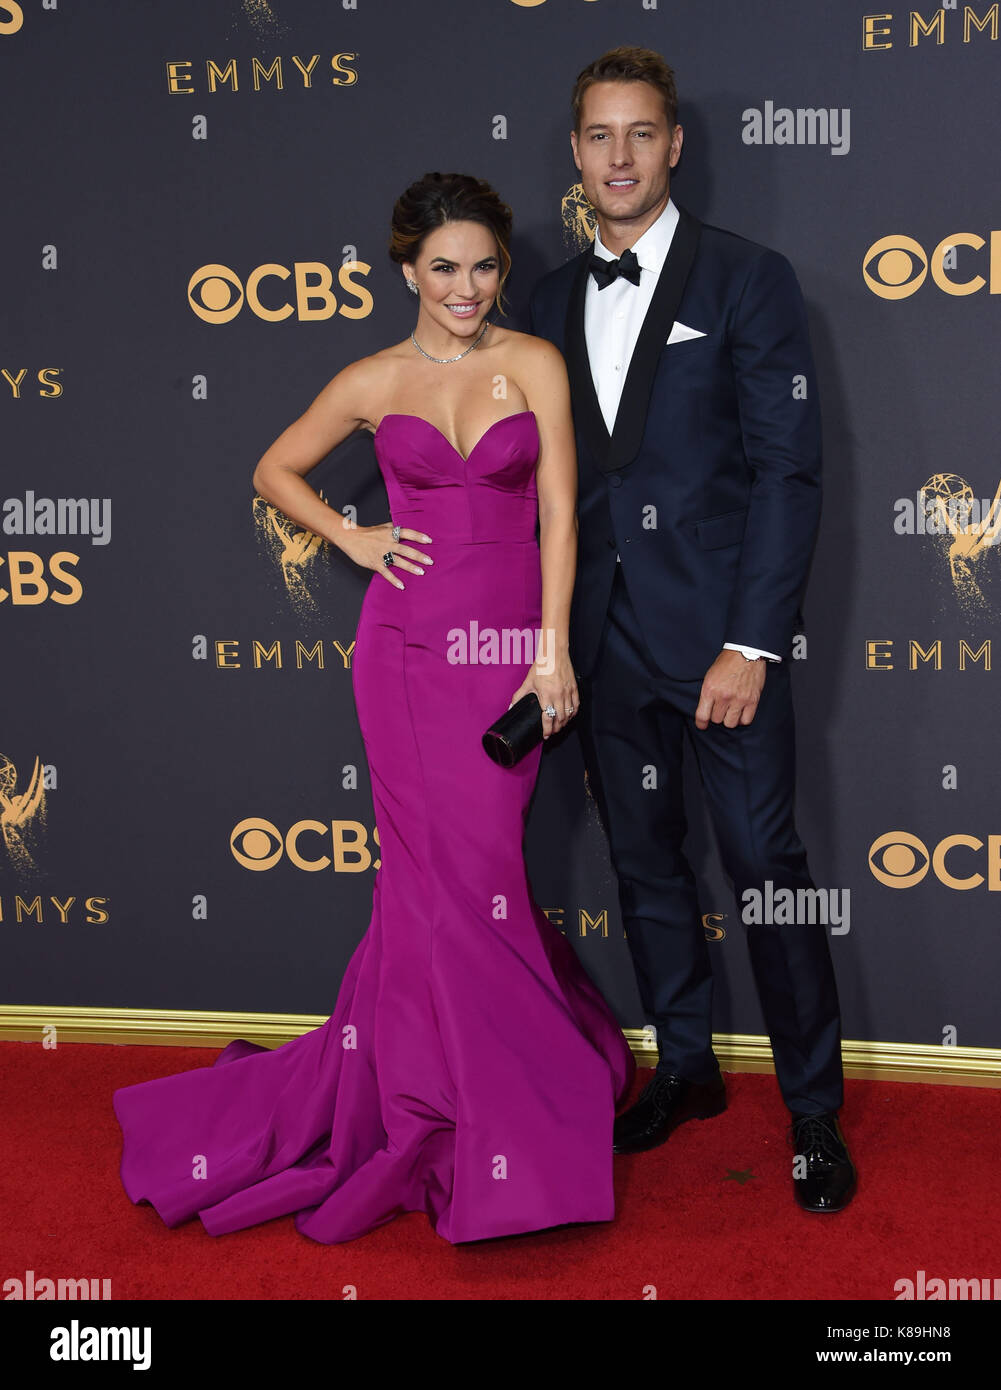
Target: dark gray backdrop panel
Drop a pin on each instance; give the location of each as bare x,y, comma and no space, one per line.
158,756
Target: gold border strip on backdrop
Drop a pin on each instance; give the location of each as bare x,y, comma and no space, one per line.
876,1061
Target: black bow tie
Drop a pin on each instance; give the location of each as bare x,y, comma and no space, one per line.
605,272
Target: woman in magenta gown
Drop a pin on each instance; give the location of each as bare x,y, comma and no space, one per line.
470,1069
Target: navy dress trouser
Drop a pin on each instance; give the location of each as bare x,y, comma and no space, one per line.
633,722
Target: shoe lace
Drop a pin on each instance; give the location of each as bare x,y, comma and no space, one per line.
816,1132
660,1091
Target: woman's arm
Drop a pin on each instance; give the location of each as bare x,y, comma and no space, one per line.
547,391
343,406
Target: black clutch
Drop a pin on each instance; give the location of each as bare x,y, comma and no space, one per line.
516,732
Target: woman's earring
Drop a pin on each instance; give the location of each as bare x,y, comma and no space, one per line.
412,286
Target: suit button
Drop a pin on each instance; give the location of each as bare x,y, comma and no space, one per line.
611,543
615,480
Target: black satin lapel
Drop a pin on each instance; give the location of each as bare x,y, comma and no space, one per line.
582,392
630,421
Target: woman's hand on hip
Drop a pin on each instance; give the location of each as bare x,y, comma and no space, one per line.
368,546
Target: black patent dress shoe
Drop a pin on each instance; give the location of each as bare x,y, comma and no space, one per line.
666,1102
823,1173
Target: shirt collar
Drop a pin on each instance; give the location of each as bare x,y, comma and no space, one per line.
652,247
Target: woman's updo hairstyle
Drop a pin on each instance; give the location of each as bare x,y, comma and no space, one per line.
437,199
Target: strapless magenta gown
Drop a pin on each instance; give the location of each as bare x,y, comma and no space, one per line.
470,1069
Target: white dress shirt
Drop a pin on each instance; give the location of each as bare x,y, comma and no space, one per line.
613,318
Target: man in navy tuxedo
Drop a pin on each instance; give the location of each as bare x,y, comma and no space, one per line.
699,448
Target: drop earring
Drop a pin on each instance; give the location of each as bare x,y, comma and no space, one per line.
412,286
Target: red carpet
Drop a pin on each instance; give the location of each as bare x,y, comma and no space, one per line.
927,1200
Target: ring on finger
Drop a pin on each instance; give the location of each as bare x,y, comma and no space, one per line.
389,559
396,533
551,711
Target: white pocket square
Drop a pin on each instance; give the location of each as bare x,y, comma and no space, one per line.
681,334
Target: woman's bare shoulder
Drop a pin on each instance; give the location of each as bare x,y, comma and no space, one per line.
371,370
535,363
366,382
534,353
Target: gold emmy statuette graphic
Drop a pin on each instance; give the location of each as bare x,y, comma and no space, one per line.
292,547
259,15
579,219
949,499
21,815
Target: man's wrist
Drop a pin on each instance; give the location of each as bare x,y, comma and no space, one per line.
750,653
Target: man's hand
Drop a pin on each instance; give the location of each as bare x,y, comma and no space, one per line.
730,691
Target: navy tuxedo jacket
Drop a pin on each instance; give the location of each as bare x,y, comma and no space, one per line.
709,486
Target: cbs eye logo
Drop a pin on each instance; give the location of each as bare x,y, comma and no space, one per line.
895,267
343,845
899,859
216,293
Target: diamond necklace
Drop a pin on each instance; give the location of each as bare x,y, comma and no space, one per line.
443,360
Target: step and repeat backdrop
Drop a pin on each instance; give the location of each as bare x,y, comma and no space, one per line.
196,203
